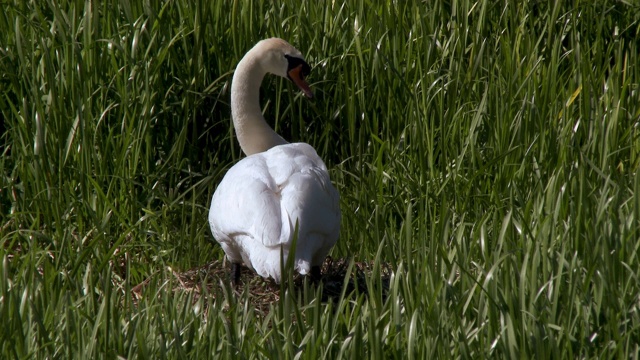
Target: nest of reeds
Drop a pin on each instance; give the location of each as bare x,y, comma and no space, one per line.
213,279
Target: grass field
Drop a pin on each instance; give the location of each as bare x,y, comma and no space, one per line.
487,152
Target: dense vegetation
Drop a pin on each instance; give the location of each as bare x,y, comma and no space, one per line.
486,151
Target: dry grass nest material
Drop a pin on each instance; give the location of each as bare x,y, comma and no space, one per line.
212,279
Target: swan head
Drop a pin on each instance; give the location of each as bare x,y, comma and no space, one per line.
280,58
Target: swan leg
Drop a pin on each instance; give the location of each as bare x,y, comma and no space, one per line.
316,275
235,274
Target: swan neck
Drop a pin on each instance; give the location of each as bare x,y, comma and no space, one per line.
252,131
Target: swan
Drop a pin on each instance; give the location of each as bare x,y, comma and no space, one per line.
278,185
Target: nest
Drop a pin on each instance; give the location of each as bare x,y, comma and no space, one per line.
213,279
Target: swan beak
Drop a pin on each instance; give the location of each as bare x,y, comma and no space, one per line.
297,77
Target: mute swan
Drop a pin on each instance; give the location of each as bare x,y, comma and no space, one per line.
255,208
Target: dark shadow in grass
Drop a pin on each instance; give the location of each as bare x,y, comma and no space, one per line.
262,292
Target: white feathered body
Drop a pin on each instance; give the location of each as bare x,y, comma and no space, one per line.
255,209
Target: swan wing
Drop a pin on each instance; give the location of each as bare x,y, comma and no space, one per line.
247,203
263,196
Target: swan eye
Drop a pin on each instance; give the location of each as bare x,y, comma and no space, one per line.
297,70
294,62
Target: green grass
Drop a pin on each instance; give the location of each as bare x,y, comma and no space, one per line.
488,151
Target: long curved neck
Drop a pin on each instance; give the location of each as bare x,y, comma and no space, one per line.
253,132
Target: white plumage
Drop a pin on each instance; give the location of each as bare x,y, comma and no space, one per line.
255,208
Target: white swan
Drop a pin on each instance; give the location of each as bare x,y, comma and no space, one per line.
255,208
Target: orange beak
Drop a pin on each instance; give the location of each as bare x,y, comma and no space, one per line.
296,76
